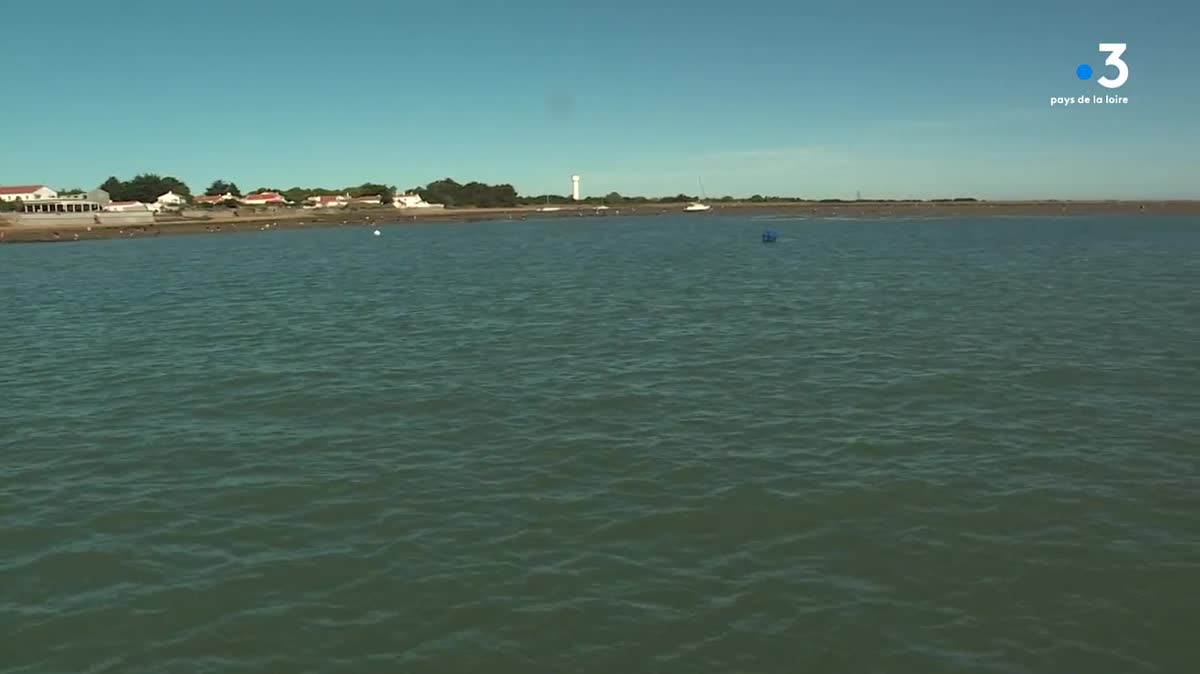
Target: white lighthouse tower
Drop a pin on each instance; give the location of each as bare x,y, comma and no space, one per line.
575,188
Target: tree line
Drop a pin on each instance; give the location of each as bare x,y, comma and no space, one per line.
144,187
456,195
147,187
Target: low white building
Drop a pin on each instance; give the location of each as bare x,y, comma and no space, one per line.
128,207
412,201
170,200
71,204
26,192
327,201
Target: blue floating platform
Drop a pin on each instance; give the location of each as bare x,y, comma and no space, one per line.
770,236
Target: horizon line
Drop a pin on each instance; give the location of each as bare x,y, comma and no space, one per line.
725,197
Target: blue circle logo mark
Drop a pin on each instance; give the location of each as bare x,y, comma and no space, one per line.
1084,72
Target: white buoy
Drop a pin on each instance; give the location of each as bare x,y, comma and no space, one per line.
377,232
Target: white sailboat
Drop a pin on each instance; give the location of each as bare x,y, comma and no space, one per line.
548,208
699,206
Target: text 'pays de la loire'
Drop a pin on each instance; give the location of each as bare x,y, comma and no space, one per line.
1089,100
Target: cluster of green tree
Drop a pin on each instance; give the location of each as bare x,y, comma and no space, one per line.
758,198
386,193
219,187
449,192
298,195
144,187
544,199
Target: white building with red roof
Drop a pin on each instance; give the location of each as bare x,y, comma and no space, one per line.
263,199
26,192
215,198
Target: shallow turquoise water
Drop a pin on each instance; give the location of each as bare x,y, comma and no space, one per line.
598,445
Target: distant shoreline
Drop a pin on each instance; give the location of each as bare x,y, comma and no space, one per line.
225,222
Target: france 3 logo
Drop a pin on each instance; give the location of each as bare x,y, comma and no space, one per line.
1114,50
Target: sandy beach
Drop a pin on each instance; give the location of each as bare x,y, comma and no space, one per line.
222,222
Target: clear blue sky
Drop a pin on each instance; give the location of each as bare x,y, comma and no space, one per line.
930,99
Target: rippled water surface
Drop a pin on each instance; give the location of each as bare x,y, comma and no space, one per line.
605,445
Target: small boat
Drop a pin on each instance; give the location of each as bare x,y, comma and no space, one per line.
698,206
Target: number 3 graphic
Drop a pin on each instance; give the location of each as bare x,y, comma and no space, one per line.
1114,49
